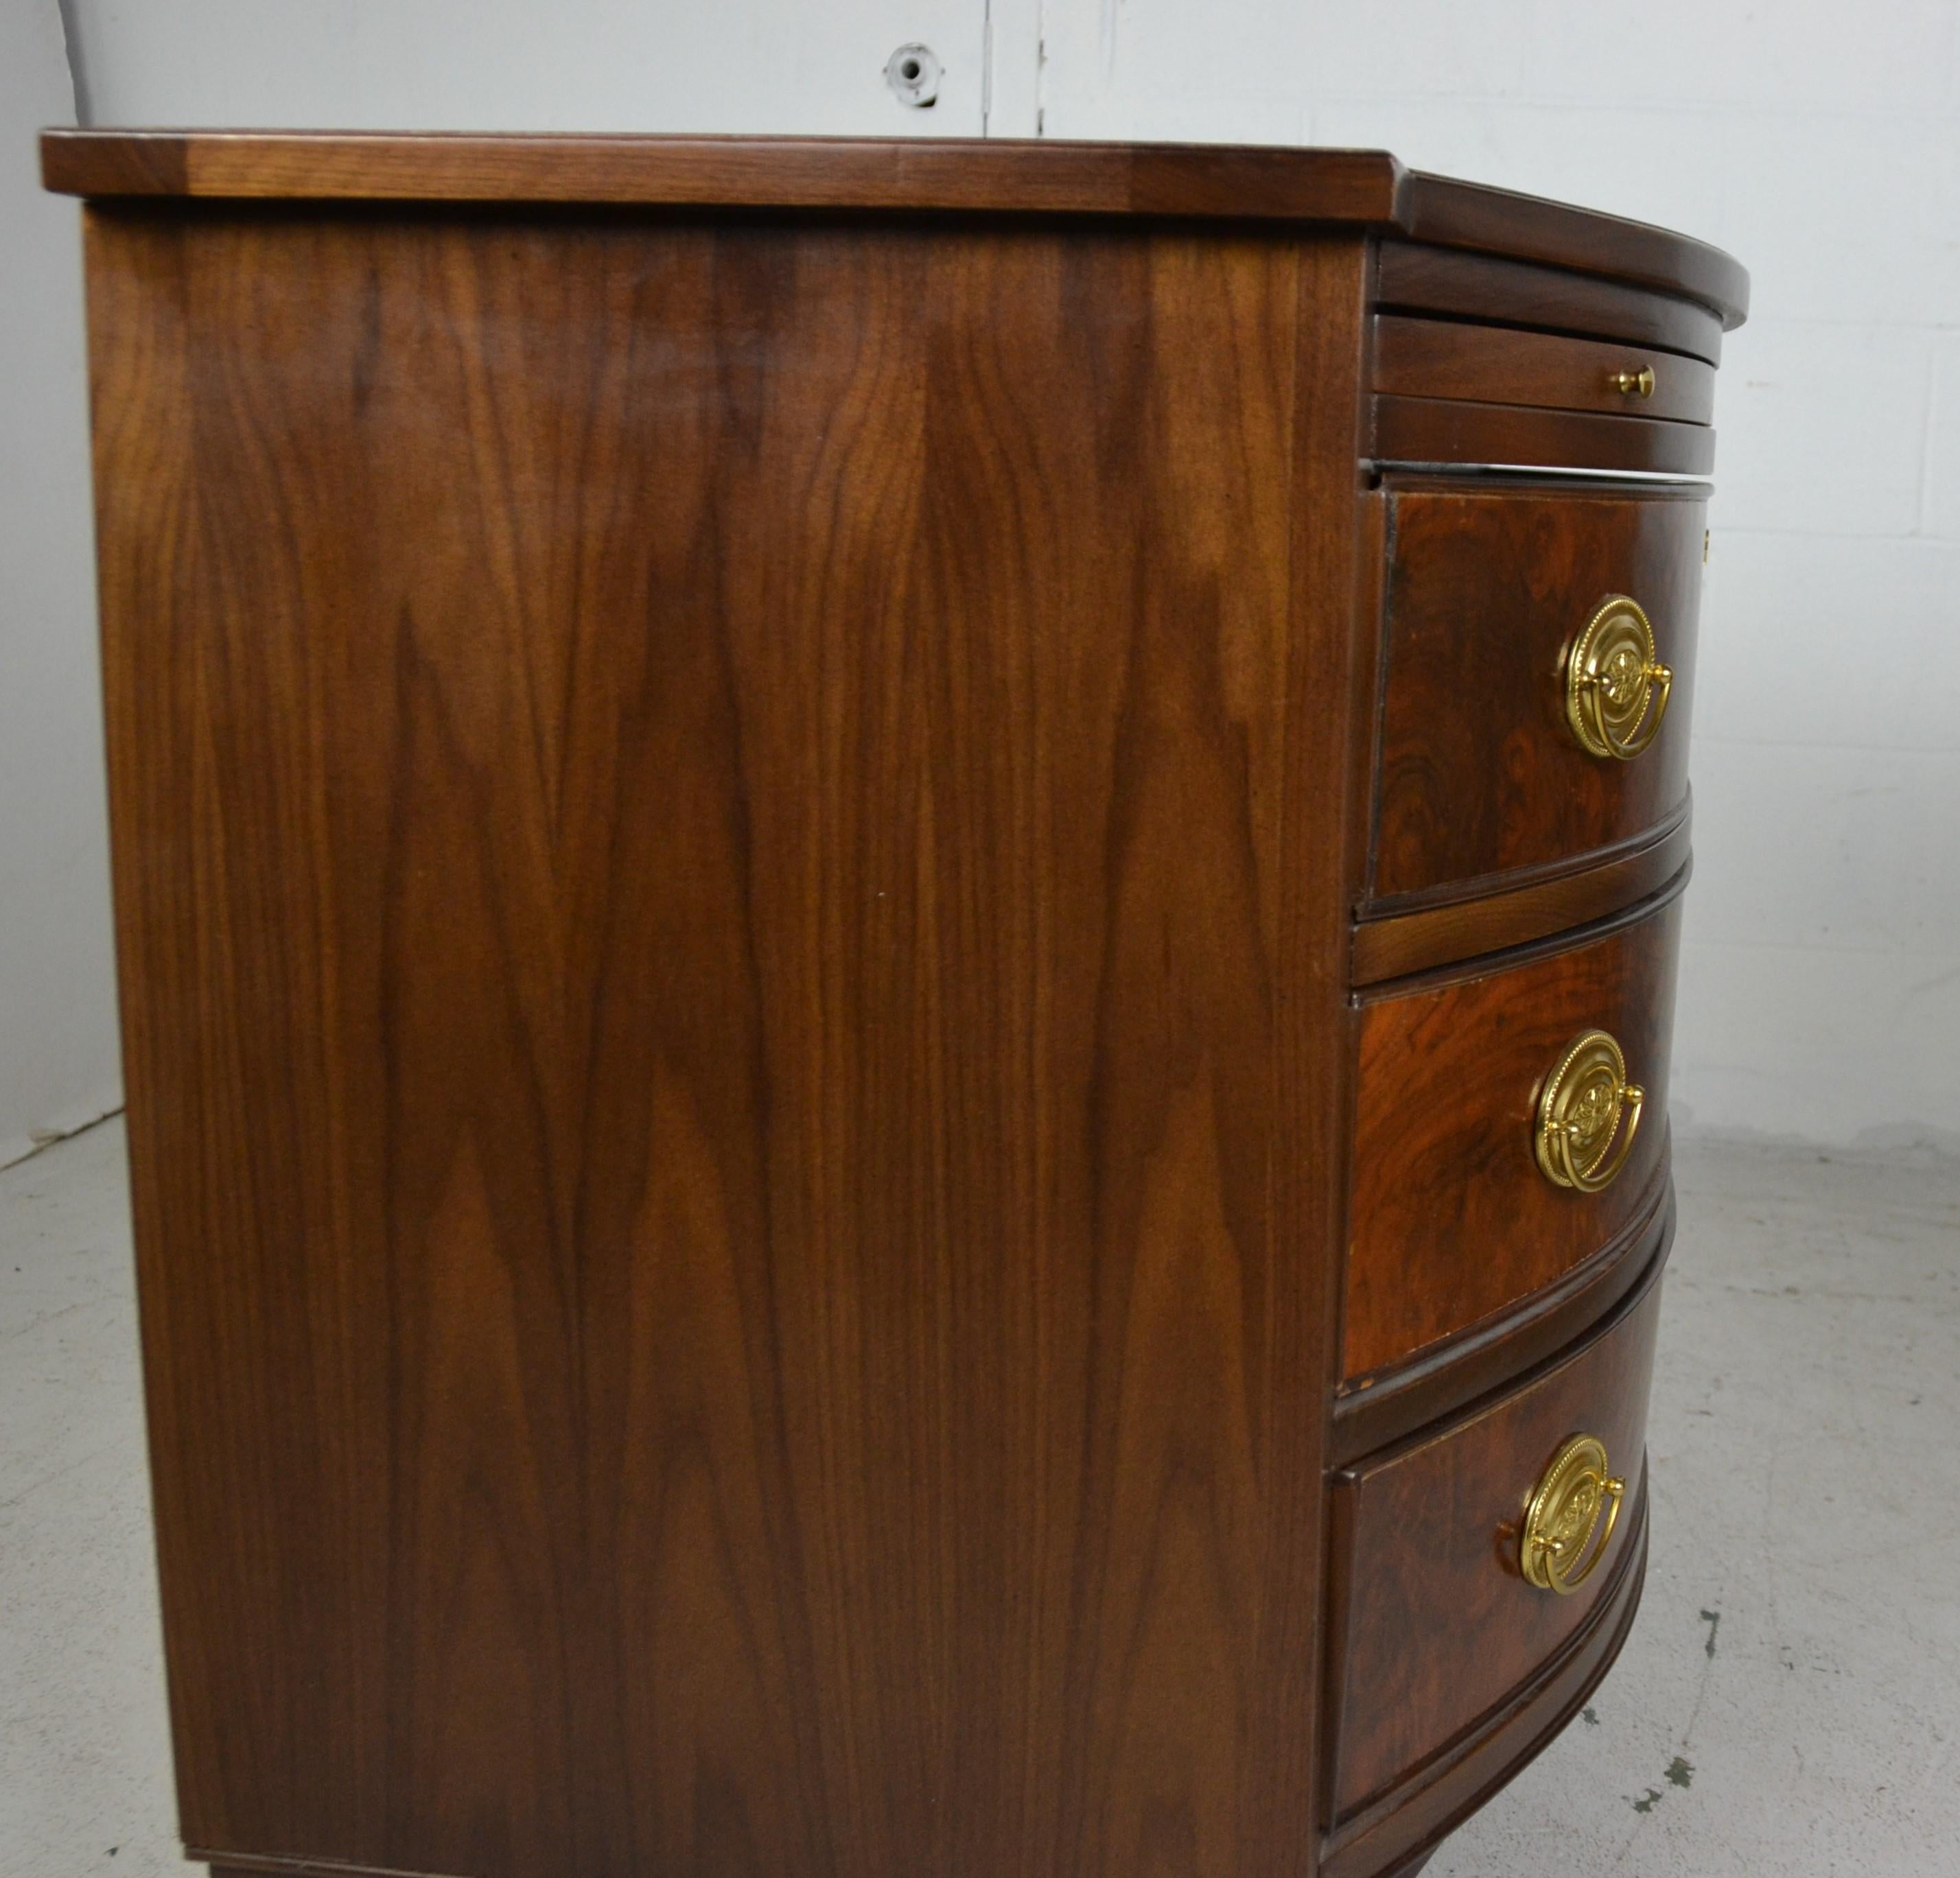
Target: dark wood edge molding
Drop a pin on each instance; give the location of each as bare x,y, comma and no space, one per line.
1371,643
1368,640
1453,1378
1235,182
1449,214
1372,630
1351,187
1450,893
1396,945
1570,939
1465,430
1383,1834
1496,480
1338,1632
222,1864
1452,283
1631,1299
1365,188
1336,576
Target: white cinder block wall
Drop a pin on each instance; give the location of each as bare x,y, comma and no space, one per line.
1818,139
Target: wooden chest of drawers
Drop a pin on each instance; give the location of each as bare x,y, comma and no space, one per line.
898,931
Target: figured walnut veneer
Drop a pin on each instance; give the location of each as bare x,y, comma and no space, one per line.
834,925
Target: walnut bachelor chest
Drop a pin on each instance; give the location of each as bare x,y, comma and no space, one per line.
897,931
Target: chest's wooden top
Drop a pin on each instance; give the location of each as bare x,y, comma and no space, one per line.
1361,189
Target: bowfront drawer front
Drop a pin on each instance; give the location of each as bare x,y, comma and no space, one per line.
1442,358
1535,692
1474,1554
1509,1125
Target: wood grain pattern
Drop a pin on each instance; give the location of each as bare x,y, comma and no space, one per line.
1453,1221
1450,214
1441,1626
1452,358
735,1068
1444,430
1422,1812
1412,279
1336,571
744,846
1419,941
1479,775
1356,187
1375,1412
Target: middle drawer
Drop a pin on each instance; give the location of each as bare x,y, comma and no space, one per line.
1460,1210
1497,761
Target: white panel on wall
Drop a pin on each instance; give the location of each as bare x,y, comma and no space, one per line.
58,1058
1819,141
778,65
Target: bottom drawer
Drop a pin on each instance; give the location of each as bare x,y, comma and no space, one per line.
1442,1622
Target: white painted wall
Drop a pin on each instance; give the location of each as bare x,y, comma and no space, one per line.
1819,139
708,66
58,1060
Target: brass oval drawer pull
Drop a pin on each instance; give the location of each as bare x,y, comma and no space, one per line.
1616,687
1580,1107
1640,384
1558,1552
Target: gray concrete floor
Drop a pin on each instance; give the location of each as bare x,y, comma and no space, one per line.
1789,1703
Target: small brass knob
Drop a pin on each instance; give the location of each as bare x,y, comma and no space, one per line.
1580,1105
1616,688
1557,1551
1638,384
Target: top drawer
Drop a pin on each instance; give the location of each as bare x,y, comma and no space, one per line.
1482,778
1629,385
1444,358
